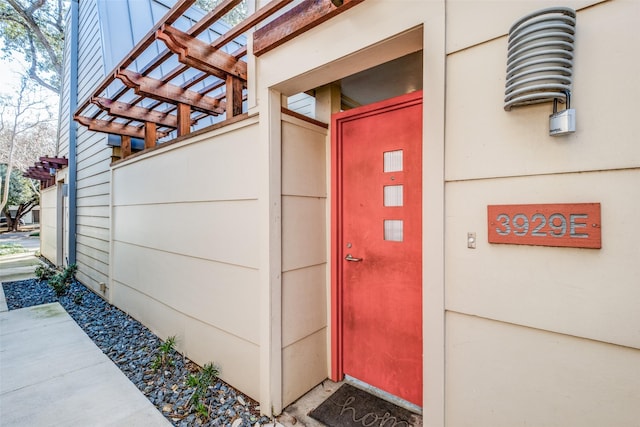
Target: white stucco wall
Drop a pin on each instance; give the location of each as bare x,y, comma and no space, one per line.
48,223
304,257
184,247
537,335
509,331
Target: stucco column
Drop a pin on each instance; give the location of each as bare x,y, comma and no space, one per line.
433,280
327,103
270,275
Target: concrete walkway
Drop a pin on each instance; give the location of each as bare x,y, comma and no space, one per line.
51,372
18,266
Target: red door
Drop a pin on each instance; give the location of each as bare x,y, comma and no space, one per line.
377,211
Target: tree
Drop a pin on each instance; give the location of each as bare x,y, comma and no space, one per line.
27,131
20,192
34,30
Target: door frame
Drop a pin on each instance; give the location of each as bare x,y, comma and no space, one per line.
337,251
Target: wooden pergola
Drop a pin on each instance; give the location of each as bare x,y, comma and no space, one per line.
191,75
44,170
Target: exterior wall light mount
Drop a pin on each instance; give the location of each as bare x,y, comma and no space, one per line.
540,64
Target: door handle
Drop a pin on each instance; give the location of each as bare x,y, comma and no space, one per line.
352,259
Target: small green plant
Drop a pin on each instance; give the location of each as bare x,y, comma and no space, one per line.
202,411
60,282
192,380
44,272
77,298
68,274
164,358
209,374
59,287
201,382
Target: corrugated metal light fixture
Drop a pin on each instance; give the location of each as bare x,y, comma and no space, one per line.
540,64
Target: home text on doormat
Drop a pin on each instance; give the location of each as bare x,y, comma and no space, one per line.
352,407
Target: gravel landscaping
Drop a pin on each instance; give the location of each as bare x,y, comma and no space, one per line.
135,350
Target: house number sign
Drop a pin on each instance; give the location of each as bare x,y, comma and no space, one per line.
574,225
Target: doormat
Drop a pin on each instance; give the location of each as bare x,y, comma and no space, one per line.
351,407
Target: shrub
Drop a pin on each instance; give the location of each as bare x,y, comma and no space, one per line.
68,274
44,272
164,358
201,382
77,298
57,284
60,282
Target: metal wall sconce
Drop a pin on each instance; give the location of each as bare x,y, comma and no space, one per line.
540,64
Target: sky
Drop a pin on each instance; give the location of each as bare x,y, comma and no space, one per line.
10,74
10,71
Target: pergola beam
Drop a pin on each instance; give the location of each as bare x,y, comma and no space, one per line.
198,54
214,15
38,173
260,15
128,111
114,128
170,17
48,181
39,177
202,25
166,92
303,17
47,165
59,161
